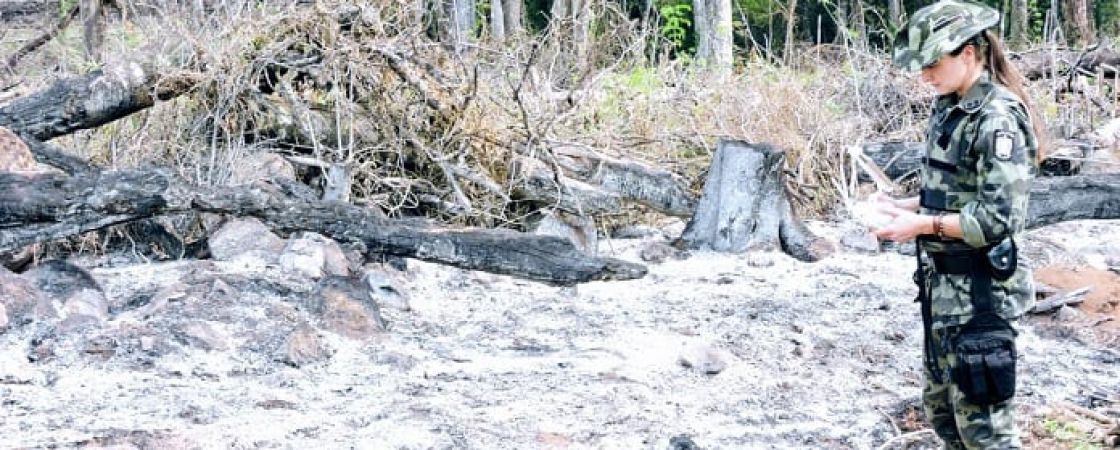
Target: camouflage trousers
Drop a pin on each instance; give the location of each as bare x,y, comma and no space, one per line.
960,424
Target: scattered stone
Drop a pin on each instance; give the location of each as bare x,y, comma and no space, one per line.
635,232
276,404
22,301
261,165
859,239
204,335
385,290
682,442
220,291
315,256
703,358
760,260
87,302
303,347
242,235
18,259
579,230
657,252
60,279
347,308
1068,314
161,299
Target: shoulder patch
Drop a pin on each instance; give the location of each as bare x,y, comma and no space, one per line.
1005,141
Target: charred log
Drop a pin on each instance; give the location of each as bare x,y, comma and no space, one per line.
49,207
90,101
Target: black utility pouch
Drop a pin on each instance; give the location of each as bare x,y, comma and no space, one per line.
985,368
1003,259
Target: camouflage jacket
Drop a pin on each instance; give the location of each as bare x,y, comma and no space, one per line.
981,158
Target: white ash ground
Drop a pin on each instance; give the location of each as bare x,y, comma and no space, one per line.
822,355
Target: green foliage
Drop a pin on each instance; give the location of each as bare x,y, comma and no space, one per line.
1037,19
759,12
1067,434
1107,15
65,6
676,22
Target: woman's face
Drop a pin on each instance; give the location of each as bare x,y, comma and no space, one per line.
952,73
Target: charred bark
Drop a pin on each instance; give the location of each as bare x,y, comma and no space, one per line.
745,208
90,101
1080,197
50,207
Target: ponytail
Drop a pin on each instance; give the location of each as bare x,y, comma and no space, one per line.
1007,75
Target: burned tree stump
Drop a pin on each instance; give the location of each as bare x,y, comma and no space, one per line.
744,206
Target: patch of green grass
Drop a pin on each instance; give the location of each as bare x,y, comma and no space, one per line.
1066,433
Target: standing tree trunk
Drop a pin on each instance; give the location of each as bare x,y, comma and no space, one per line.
575,15
497,21
791,22
1019,16
455,22
859,23
894,14
513,11
745,206
841,22
1079,23
712,19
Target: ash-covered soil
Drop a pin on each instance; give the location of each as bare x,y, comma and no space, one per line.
723,351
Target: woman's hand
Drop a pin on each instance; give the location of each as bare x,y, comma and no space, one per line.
884,200
905,226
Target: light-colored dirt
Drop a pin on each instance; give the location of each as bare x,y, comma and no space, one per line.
822,355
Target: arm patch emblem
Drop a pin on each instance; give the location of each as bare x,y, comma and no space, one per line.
1005,142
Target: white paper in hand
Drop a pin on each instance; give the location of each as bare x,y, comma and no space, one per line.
870,214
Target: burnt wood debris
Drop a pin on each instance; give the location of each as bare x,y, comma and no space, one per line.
744,206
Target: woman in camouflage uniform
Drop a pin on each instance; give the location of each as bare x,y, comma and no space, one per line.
982,152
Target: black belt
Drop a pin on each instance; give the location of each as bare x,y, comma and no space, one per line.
956,263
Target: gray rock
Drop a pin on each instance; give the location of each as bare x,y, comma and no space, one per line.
859,239
22,301
261,166
242,235
60,279
760,260
204,335
682,442
1068,314
579,230
385,290
703,358
657,252
303,347
346,307
87,307
315,255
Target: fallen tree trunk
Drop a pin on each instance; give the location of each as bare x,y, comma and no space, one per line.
1059,199
899,160
658,189
1044,63
27,10
35,209
90,101
745,208
1053,199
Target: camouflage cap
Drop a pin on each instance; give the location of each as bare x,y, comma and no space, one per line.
938,29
